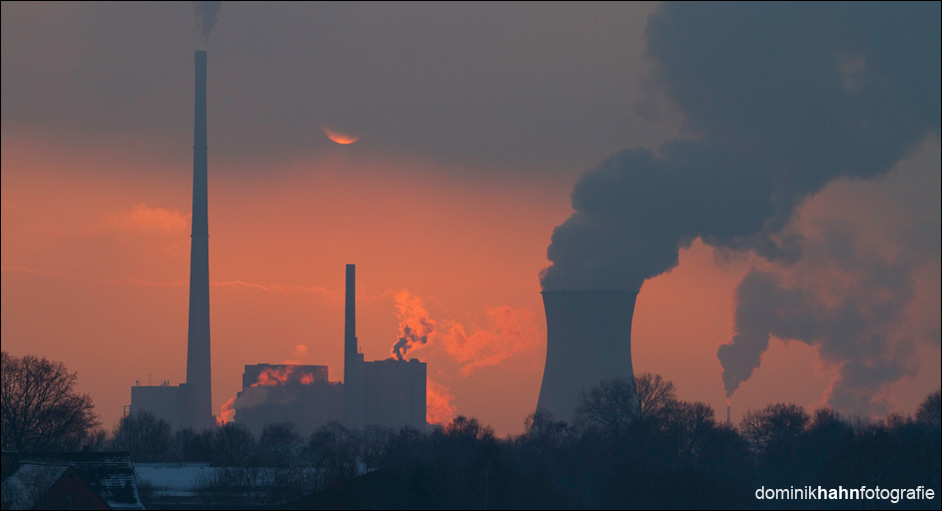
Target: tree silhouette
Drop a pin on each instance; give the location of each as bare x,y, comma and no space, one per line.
774,427
609,408
40,409
143,435
929,412
656,395
279,445
233,445
334,449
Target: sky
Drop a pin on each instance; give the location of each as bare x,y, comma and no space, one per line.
768,176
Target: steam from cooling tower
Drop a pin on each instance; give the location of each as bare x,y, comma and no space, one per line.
206,13
781,100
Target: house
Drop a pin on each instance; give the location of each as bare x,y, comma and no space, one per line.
85,480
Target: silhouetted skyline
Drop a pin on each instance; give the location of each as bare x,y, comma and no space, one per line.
763,173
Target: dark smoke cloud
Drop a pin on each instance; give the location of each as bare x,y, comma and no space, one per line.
847,301
783,99
865,293
636,210
409,338
206,13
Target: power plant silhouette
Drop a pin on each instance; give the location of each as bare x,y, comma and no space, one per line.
383,392
588,340
389,392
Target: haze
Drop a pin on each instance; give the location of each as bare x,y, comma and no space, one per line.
476,123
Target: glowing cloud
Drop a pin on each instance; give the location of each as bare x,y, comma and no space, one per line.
338,137
439,409
226,412
144,218
508,332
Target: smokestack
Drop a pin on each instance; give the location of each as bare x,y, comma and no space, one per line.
588,339
729,422
352,360
350,313
198,365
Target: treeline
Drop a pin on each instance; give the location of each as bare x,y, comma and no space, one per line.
631,444
653,451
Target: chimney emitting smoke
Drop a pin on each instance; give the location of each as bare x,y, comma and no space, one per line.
198,363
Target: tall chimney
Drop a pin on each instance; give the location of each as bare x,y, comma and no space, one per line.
588,339
352,359
198,365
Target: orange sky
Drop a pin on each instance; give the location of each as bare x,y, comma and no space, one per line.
476,122
95,268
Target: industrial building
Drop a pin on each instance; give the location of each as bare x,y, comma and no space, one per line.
389,393
301,394
385,392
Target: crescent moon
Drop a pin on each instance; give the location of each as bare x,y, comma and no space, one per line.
338,137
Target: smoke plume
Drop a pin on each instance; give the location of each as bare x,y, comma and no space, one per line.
864,293
206,13
508,332
780,99
259,392
226,412
299,356
438,409
415,325
850,305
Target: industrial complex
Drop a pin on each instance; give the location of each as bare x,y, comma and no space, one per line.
388,392
588,340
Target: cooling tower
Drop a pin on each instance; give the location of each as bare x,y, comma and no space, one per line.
588,339
198,366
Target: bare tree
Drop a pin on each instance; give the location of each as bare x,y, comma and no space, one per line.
543,433
774,427
689,425
374,441
41,411
143,435
609,407
656,396
929,412
279,445
468,427
233,446
334,449
612,405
